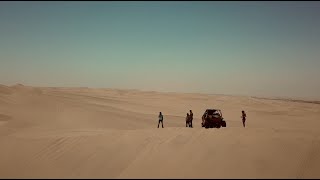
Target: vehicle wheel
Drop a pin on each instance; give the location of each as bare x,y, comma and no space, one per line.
206,125
224,124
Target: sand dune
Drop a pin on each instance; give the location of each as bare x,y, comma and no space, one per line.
109,133
4,90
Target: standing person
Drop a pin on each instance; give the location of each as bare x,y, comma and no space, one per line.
191,117
187,120
244,116
160,119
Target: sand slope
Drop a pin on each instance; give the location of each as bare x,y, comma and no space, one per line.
109,133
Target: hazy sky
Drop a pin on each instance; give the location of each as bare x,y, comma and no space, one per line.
249,48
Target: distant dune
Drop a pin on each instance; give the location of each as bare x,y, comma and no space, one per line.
292,100
110,133
4,89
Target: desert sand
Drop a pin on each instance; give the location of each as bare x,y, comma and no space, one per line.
110,133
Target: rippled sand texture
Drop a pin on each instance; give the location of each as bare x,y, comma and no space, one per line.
108,133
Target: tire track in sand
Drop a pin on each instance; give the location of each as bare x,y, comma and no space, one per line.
55,150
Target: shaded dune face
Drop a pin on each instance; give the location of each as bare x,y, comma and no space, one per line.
108,133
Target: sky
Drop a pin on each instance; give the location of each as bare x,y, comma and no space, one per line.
240,48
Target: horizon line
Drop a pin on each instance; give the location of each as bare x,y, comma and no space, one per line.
294,99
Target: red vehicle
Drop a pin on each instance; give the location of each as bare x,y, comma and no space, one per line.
212,118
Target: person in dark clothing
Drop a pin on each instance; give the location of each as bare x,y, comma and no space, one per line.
160,119
187,120
244,116
191,118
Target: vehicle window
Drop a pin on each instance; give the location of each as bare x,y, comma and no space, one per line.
210,112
